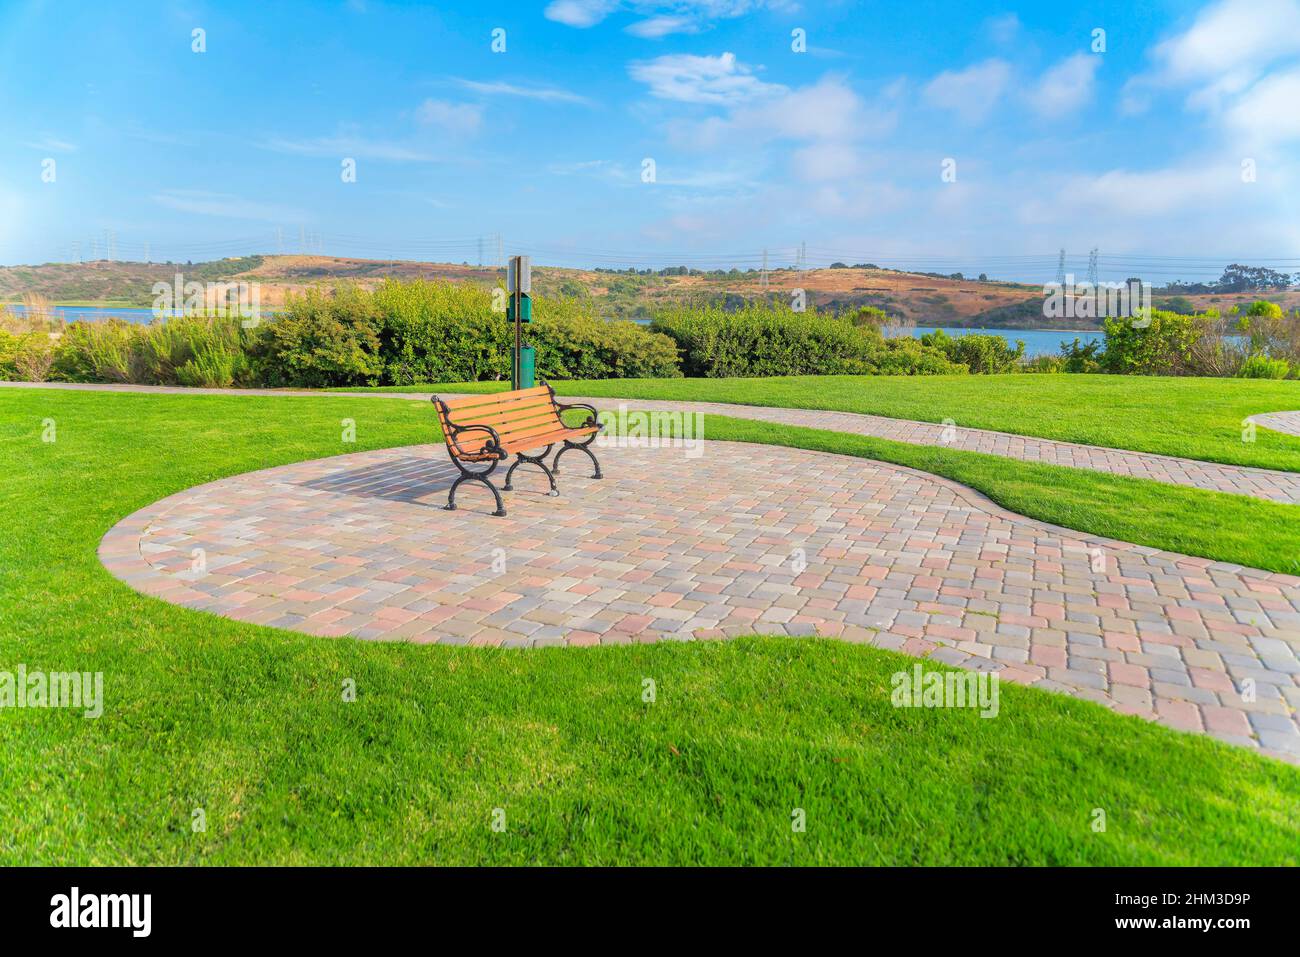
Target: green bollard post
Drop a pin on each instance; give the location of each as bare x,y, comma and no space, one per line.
527,367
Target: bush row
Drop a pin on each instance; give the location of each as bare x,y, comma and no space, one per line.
763,340
409,332
1261,342
399,334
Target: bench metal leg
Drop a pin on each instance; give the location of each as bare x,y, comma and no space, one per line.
467,476
581,446
539,461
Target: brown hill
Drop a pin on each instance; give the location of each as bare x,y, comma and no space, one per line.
911,297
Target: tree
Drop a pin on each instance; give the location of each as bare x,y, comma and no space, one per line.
1239,278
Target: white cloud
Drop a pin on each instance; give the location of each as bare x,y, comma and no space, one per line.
827,161
546,94
353,146
1239,63
1269,111
827,110
580,13
970,93
462,119
50,144
1004,28
1231,36
662,18
687,78
1131,194
225,206
1229,46
662,26
1066,86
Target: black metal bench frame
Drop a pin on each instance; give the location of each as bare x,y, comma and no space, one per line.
494,447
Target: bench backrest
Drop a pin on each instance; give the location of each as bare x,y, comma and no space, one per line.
514,415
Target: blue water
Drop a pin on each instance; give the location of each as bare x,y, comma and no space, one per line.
1038,342
77,313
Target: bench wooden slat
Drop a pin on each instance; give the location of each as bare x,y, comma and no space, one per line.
523,419
549,438
498,420
497,398
527,434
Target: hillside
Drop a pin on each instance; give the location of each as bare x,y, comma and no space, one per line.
923,299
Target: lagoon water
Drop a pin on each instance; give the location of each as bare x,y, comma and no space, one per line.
1038,342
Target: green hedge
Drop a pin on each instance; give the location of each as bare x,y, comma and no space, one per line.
762,340
980,353
440,332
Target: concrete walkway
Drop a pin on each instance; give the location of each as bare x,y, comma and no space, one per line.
1274,486
733,539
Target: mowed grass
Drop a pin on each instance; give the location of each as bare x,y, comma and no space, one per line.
1196,418
249,724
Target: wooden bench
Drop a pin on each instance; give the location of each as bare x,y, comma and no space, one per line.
482,430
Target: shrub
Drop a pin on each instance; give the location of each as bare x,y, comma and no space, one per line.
1046,364
1264,309
213,366
322,339
1262,367
9,345
440,332
102,351
760,340
25,357
980,353
572,344
193,343
1079,357
906,355
872,316
1165,346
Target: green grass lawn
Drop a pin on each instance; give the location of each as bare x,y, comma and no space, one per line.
1193,418
249,724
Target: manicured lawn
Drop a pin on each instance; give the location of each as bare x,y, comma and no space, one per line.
249,724
1193,418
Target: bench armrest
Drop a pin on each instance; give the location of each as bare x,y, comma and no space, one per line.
560,409
493,446
453,430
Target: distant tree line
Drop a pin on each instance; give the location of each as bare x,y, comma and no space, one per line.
1239,278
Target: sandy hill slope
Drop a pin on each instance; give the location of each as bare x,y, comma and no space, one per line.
916,297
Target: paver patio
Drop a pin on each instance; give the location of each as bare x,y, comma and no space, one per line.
741,539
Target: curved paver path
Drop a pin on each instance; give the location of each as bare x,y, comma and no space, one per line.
1269,484
1288,422
733,540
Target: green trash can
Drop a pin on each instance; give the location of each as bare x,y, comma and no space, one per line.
527,367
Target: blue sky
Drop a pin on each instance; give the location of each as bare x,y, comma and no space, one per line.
1137,150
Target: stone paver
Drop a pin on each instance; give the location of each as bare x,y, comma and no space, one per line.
1269,484
741,539
1288,422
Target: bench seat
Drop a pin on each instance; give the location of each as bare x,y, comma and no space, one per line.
482,429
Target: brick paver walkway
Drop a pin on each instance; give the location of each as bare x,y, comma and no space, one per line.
1288,422
742,539
1267,484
